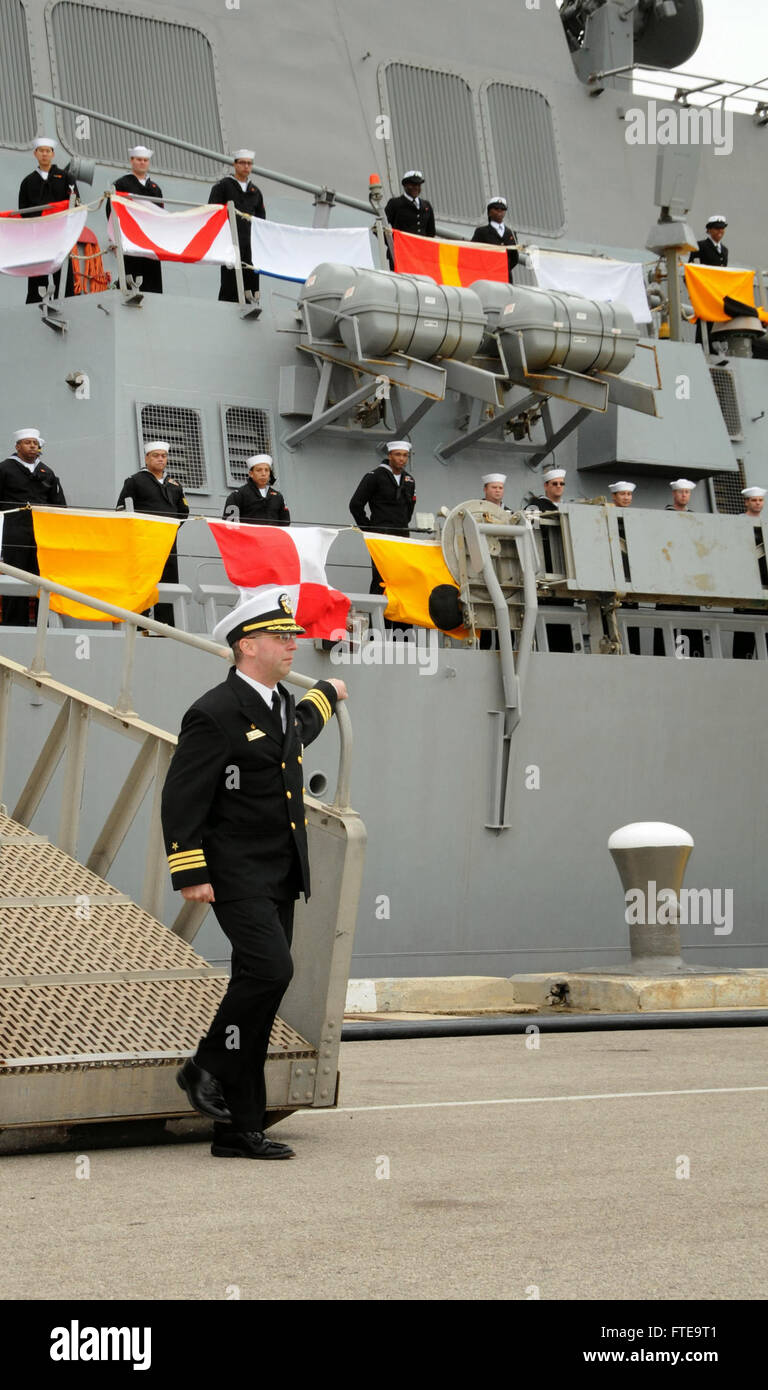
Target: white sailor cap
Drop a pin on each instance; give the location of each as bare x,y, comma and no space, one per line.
494,478
244,154
680,484
622,487
718,219
552,475
157,444
754,491
43,140
267,609
140,152
496,202
28,433
413,176
398,444
258,458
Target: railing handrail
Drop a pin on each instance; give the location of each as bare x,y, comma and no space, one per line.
135,620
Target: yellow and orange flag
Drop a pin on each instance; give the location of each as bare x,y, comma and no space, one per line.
708,286
117,557
416,579
449,262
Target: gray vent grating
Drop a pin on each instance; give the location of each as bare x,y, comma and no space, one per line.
182,428
725,389
246,431
521,137
17,110
156,73
434,129
727,489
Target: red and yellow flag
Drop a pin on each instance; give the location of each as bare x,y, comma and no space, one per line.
116,557
708,286
413,572
450,262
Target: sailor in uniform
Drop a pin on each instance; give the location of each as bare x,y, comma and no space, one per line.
235,834
239,189
559,636
681,495
754,497
389,493
493,489
554,486
744,642
257,502
46,184
622,493
138,184
24,480
153,491
495,232
711,250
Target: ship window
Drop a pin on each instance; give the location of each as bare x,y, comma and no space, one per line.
725,389
727,489
246,431
182,428
17,110
433,128
523,157
151,71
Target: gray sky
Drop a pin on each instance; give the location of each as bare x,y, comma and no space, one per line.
735,42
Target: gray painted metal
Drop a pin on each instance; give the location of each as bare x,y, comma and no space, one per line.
17,111
524,161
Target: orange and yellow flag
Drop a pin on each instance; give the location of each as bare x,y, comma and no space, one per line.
449,262
413,572
117,557
709,285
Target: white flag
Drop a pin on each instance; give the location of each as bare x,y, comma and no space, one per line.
39,245
291,253
594,277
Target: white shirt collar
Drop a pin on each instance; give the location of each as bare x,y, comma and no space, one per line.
266,692
43,173
398,477
154,475
264,490
499,227
141,181
416,201
244,186
29,466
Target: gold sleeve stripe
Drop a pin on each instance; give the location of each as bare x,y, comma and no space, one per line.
320,701
192,860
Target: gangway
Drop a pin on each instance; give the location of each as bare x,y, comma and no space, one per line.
100,1001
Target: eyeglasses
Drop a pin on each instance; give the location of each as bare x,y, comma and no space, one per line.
283,637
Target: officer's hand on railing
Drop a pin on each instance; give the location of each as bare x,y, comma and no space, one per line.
198,893
340,688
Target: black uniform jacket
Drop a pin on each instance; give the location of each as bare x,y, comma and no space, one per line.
247,504
228,190
709,254
541,504
233,800
34,189
390,503
134,188
151,272
148,495
17,487
490,237
404,216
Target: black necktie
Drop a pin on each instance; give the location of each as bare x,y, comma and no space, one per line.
277,708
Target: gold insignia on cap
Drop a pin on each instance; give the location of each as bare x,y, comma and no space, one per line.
285,604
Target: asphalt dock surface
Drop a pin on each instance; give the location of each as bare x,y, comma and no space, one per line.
592,1166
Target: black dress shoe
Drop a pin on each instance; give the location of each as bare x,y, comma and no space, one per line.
253,1144
203,1090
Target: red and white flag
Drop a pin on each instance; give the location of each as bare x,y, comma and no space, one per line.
39,245
290,557
195,235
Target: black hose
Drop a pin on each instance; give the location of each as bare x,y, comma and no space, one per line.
369,1031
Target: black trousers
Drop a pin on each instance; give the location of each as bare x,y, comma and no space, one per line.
36,282
228,289
16,611
234,1049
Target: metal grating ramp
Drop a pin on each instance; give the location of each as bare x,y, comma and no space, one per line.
99,1002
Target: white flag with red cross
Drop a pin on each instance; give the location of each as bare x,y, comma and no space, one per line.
291,557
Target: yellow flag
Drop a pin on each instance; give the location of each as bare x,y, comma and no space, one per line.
117,557
412,571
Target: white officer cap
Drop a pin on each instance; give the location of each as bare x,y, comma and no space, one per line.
140,152
679,484
718,219
244,154
622,487
157,444
496,202
29,433
553,474
44,140
398,444
494,478
267,609
258,458
754,491
413,176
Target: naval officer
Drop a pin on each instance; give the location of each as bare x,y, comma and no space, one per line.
235,834
24,481
138,184
495,232
239,189
711,250
257,502
46,184
152,490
